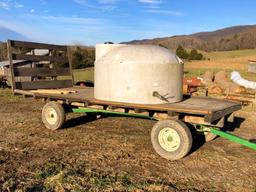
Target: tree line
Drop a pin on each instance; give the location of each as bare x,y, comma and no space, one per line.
192,55
83,57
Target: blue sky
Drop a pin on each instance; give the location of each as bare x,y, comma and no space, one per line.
96,21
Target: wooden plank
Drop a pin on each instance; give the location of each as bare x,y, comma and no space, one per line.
42,72
9,47
40,58
221,113
53,91
201,120
160,107
28,93
195,119
54,84
32,45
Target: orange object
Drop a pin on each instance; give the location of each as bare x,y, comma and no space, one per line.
192,81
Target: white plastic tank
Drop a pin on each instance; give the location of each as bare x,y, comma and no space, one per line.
141,74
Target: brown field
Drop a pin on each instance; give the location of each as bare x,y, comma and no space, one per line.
228,60
229,64
115,153
112,154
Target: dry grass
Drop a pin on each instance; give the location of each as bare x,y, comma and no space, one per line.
227,64
113,154
226,60
218,55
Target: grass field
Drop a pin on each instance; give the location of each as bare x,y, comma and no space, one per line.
84,74
112,154
220,55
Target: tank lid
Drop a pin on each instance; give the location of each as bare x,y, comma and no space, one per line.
141,53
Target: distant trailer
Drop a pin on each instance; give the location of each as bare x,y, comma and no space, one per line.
252,66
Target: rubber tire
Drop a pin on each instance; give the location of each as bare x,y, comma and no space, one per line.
185,136
61,115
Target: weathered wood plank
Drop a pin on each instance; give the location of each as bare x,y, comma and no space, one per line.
32,45
42,72
9,47
222,112
40,58
201,120
52,84
70,64
28,93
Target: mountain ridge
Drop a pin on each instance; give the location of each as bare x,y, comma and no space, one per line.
6,33
226,39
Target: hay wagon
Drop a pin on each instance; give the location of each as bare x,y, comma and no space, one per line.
171,136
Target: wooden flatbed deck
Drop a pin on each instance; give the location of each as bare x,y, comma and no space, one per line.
211,109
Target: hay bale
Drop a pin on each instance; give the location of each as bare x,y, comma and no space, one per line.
214,89
222,80
208,77
221,76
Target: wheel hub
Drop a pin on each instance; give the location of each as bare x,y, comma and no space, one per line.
169,139
51,115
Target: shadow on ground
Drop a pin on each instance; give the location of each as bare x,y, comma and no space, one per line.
80,120
199,139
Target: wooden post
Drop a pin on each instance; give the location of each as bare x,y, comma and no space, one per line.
33,66
69,52
11,74
51,64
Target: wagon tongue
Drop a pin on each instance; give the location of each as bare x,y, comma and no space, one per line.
248,143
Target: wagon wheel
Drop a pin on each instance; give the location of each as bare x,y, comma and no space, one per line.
53,115
171,139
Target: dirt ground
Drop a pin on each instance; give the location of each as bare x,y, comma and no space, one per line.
112,154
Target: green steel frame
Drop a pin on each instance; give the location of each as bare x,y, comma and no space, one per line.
215,131
233,138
